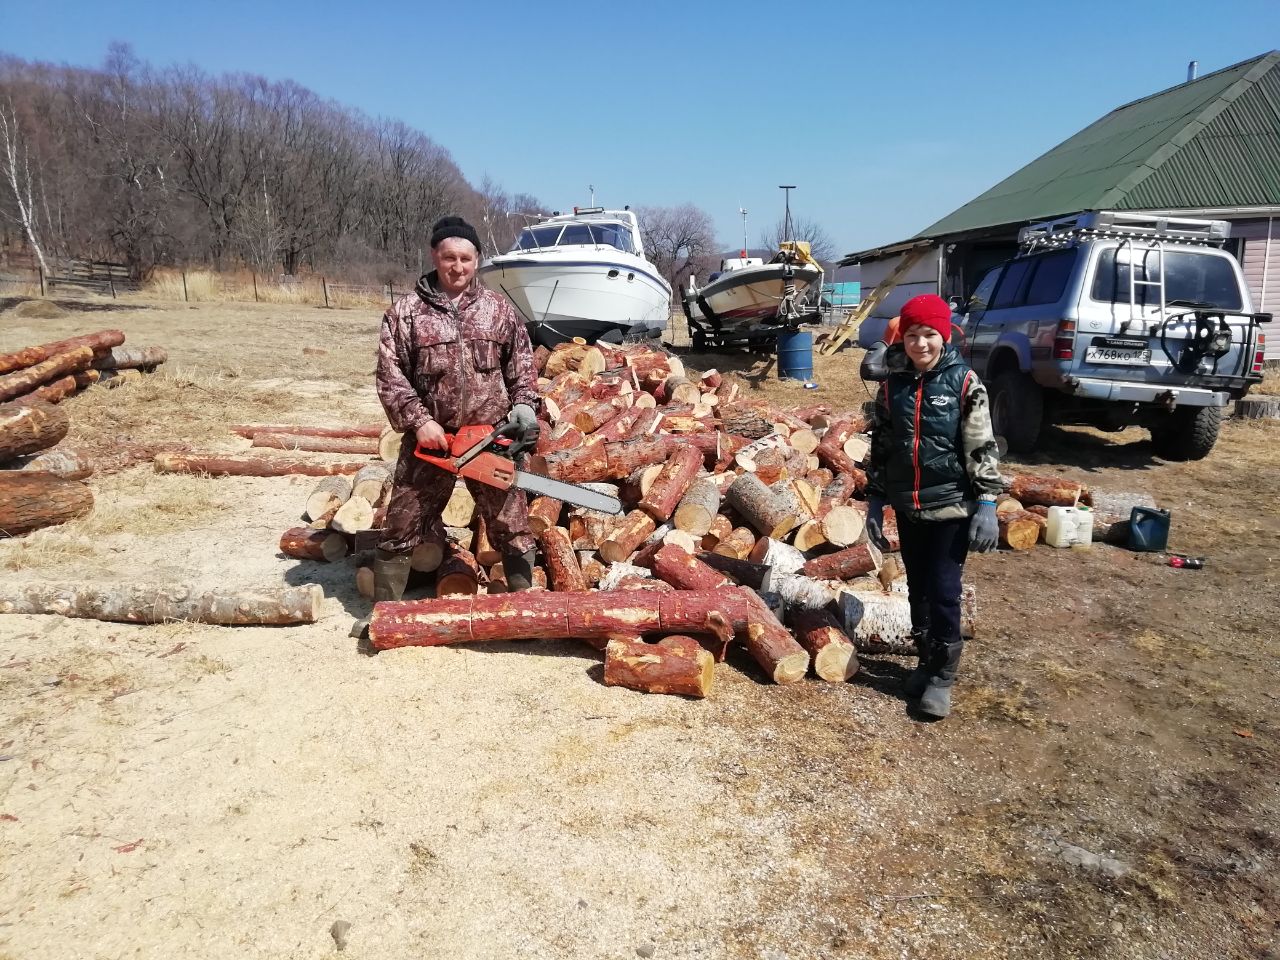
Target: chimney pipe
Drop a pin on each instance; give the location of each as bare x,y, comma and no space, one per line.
1192,69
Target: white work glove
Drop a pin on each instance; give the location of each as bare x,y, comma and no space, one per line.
523,417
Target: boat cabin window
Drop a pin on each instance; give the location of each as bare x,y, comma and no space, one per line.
603,234
534,237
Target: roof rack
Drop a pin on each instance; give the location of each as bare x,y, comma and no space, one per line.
1094,224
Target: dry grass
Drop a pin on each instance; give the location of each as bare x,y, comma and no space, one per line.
1010,704
36,309
207,286
1270,381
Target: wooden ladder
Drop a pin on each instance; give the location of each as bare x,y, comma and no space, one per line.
849,326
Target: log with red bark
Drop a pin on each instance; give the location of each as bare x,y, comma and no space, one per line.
544,512
771,512
152,603
458,574
30,356
623,541
845,564
772,646
229,465
306,543
698,508
737,544
130,358
1047,491
68,464
30,378
835,658
672,483
1020,530
28,427
55,391
290,441
329,494
250,430
619,428
87,378
541,616
674,665
745,420
757,576
30,501
830,449
685,572
562,563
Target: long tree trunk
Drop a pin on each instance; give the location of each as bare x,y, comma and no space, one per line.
130,358
30,501
250,430
215,465
28,379
287,441
150,603
30,427
675,665
30,356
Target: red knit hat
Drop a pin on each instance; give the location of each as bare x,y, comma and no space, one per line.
929,310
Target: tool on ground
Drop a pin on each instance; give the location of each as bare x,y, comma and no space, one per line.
489,455
1185,562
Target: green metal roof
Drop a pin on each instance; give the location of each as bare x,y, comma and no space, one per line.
1213,142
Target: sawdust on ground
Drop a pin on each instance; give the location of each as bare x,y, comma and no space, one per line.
1107,786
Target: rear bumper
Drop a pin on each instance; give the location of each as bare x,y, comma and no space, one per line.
1130,392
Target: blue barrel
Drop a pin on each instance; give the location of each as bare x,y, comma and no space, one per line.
795,355
1148,529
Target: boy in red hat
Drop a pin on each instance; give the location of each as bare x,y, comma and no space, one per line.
934,458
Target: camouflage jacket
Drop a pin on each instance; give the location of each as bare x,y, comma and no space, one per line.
457,364
932,450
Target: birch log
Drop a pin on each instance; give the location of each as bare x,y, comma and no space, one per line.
151,603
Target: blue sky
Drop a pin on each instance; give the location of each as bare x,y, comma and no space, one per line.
886,116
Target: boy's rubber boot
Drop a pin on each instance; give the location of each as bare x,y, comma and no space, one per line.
936,699
390,577
518,569
918,678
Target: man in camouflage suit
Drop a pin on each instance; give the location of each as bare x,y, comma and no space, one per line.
452,354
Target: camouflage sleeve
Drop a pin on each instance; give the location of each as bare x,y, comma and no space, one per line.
517,368
981,456
880,446
400,400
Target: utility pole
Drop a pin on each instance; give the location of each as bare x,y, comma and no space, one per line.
786,222
743,211
592,188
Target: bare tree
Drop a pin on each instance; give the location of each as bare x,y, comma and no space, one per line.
17,172
676,239
821,246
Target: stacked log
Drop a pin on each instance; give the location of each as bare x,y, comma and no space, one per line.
51,372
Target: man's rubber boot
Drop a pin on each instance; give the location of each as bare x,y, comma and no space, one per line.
390,576
918,678
936,700
518,569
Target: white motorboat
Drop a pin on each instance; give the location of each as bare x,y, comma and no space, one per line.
582,275
750,299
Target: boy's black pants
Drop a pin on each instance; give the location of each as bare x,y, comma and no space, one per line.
933,552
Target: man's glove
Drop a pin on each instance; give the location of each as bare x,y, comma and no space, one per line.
523,417
984,528
875,523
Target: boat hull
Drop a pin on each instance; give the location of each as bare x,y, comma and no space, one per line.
752,295
589,297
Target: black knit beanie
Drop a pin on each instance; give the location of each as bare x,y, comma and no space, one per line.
454,227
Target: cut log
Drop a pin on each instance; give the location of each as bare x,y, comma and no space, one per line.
737,544
130,358
458,574
562,563
322,522
721,527
60,365
1020,531
150,603
55,391
806,593
111,379
592,569
485,553
623,541
462,536
87,378
329,494
680,540
67,464
769,466
618,572
30,427
781,557
306,543
698,508
835,659
770,513
843,526
543,512
744,420
1048,491
30,501
290,441
371,482
353,516
745,457
249,430
672,483
619,428
857,447
389,442
460,511
809,536
830,449
685,572
589,462
1258,407
880,622
30,356
675,665
844,565
215,465
426,557
772,646
365,582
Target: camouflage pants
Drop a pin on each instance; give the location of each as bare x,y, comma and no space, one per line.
418,497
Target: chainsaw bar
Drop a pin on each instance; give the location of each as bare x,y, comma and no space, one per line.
568,492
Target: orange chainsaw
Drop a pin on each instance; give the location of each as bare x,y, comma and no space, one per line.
488,455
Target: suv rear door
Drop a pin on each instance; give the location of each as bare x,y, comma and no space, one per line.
1024,310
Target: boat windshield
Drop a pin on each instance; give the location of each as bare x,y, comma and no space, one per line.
577,234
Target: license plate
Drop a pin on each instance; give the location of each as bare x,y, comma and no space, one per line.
1122,355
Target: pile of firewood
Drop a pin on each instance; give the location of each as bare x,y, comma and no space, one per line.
40,486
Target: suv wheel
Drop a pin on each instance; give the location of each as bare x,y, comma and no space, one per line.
1017,409
1188,433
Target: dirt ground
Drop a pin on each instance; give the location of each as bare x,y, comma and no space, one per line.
1109,784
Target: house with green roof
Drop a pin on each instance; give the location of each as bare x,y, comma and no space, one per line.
1209,147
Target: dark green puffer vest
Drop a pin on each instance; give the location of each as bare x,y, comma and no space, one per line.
925,467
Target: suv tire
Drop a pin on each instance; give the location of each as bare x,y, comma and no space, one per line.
1188,433
1017,410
